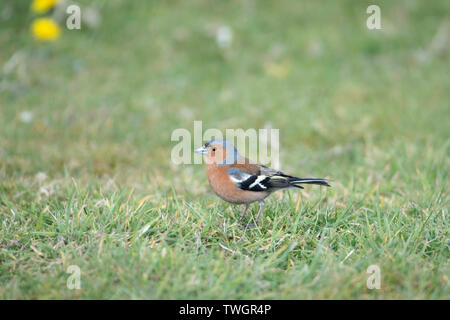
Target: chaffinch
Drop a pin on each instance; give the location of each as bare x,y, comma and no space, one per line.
236,179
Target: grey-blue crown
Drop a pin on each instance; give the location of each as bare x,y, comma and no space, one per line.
228,146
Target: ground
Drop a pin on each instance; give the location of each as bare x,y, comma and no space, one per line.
86,177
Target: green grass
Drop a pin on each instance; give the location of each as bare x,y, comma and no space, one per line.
89,181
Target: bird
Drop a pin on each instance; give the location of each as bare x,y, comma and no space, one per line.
238,180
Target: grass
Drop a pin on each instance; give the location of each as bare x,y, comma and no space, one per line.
86,177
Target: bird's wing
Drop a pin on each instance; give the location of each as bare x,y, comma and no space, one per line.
259,178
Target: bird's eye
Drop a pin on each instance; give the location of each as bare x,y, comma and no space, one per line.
213,149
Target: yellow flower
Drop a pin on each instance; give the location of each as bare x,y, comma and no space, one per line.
40,6
45,29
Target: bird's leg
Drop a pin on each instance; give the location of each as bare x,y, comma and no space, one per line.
247,205
261,203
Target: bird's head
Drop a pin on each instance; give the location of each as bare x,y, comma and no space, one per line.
219,152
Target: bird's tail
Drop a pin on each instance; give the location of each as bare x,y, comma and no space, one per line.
295,181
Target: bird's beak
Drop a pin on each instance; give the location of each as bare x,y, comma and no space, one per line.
201,150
